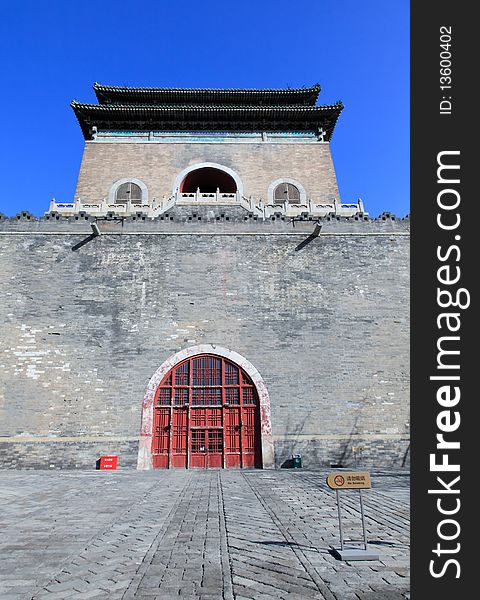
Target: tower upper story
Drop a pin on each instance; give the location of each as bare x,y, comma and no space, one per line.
148,149
148,110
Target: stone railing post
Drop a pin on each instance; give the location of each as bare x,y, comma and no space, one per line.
263,208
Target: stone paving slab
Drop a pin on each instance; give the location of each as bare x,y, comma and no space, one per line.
209,535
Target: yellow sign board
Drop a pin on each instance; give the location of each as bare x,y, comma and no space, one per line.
351,480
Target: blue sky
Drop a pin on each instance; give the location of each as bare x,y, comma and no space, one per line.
53,51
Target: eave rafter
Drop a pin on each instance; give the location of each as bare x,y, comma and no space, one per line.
208,117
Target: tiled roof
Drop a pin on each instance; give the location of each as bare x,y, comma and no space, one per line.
185,117
132,95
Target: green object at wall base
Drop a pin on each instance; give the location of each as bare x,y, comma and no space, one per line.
297,461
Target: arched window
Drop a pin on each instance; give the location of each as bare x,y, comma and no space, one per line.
286,191
128,192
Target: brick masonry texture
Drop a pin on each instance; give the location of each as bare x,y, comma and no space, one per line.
326,325
157,165
217,535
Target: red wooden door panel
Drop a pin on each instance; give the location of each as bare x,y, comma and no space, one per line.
214,448
232,430
198,448
178,456
161,438
248,436
206,416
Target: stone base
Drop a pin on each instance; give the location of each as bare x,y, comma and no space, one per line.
355,554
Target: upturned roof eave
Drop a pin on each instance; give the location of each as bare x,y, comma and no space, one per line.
110,94
213,117
211,107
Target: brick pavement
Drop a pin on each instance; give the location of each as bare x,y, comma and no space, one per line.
207,535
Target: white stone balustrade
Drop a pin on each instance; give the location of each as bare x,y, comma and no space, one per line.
158,207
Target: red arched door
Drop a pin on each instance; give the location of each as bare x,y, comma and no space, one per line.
206,415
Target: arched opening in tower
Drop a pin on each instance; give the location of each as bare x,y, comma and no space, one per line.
208,180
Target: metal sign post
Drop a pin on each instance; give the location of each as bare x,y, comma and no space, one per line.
339,520
363,520
347,481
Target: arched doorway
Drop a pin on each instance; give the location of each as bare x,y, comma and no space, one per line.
208,176
208,180
206,407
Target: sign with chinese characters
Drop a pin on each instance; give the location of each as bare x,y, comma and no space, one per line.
352,480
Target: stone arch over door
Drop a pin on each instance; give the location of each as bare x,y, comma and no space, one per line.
147,433
207,165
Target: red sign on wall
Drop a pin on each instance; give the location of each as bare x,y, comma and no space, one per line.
108,462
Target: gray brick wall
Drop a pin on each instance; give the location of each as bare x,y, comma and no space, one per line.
157,165
82,332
